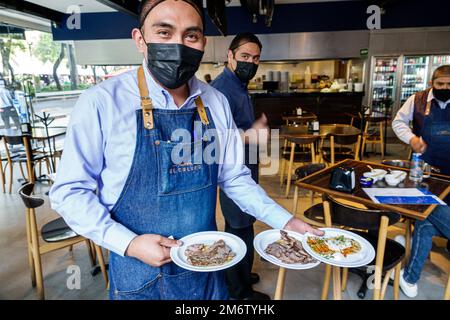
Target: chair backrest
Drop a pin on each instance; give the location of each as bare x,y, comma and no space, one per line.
309,169
303,140
30,202
14,140
345,139
358,218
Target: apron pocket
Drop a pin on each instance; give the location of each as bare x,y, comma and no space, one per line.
192,285
148,291
182,168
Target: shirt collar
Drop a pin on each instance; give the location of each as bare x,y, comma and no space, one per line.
163,99
230,74
441,104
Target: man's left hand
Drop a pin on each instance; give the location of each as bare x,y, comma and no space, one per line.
302,227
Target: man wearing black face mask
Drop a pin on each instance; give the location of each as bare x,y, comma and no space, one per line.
243,60
429,112
120,183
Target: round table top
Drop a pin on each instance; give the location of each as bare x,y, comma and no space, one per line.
324,130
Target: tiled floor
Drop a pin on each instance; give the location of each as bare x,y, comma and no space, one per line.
15,275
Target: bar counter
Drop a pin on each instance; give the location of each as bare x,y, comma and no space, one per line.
332,107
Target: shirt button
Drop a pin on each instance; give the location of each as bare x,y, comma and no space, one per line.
157,142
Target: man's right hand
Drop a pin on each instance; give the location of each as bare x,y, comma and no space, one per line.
417,144
152,249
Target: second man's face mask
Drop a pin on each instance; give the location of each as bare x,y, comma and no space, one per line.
172,64
245,71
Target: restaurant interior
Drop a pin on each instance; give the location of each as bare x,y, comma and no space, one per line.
330,85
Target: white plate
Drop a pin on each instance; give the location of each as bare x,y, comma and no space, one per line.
362,258
208,237
267,237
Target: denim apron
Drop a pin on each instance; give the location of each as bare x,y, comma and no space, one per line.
169,199
436,133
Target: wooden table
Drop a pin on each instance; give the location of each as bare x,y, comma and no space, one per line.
37,133
324,130
305,117
319,181
40,134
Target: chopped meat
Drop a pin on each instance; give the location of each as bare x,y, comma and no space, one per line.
289,250
203,255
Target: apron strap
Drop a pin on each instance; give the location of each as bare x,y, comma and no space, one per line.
146,101
147,104
202,111
427,108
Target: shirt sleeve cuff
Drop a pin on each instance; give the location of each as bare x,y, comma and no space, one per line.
278,220
407,136
118,238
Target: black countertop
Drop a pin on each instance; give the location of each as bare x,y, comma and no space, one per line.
260,94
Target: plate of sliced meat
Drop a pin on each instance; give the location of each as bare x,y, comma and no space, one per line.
208,251
284,248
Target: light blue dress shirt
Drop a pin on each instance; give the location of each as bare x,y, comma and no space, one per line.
99,149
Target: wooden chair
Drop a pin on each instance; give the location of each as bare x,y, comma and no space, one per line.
56,235
376,136
372,225
339,148
307,154
301,172
25,155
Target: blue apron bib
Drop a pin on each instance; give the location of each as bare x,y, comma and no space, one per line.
169,199
436,133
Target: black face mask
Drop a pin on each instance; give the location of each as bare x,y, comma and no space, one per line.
172,64
245,71
442,94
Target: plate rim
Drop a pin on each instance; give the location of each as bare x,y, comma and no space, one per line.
276,261
186,266
357,264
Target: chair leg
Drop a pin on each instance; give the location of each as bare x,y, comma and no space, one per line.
337,291
295,204
91,256
326,282
398,267
344,278
280,284
101,262
2,173
282,169
37,259
30,251
447,290
289,174
381,246
381,140
22,172
408,237
385,283
11,177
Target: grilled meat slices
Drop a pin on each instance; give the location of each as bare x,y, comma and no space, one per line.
289,250
203,255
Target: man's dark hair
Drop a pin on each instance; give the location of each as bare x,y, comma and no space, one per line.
442,71
243,38
148,5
